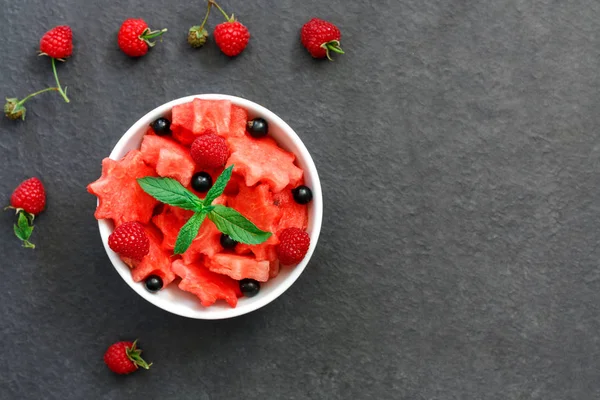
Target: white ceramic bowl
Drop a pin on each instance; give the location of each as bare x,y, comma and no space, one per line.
173,299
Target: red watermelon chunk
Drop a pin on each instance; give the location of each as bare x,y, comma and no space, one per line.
207,285
192,119
256,204
239,267
262,160
239,120
169,158
175,165
157,262
274,267
182,123
120,197
170,221
214,115
293,215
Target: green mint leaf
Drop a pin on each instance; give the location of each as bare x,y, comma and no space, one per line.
234,224
188,232
169,191
219,186
23,229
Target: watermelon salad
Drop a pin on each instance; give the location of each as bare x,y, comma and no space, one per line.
266,187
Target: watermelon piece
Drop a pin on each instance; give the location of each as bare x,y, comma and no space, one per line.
274,268
182,123
170,221
207,285
156,262
120,197
239,267
239,121
293,215
256,204
170,159
192,119
175,165
234,185
262,160
208,241
214,115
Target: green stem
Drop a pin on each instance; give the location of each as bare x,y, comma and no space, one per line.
152,35
21,102
59,88
206,16
220,9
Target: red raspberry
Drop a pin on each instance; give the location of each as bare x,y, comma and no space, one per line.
320,37
209,151
293,245
124,358
130,240
134,37
30,196
231,37
57,42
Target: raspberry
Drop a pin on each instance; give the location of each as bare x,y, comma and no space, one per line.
57,42
124,358
134,37
231,37
210,151
320,37
30,196
293,245
130,240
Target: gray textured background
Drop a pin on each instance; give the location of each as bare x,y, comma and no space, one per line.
457,143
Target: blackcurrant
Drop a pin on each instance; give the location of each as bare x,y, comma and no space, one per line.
202,182
227,242
249,287
161,126
154,283
302,194
258,127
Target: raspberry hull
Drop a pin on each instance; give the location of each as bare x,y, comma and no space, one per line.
264,176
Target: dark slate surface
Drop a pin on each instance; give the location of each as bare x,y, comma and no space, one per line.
457,143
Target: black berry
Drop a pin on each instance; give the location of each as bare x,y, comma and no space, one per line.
227,242
249,287
258,127
154,283
202,182
302,194
161,126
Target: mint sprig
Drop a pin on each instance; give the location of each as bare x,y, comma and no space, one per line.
226,219
171,192
234,224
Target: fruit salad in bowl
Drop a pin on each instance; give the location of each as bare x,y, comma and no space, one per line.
209,206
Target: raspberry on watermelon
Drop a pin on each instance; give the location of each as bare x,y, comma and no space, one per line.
239,267
170,159
120,197
256,203
193,119
262,160
293,215
207,285
156,262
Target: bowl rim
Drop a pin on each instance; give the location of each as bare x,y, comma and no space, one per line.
206,313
